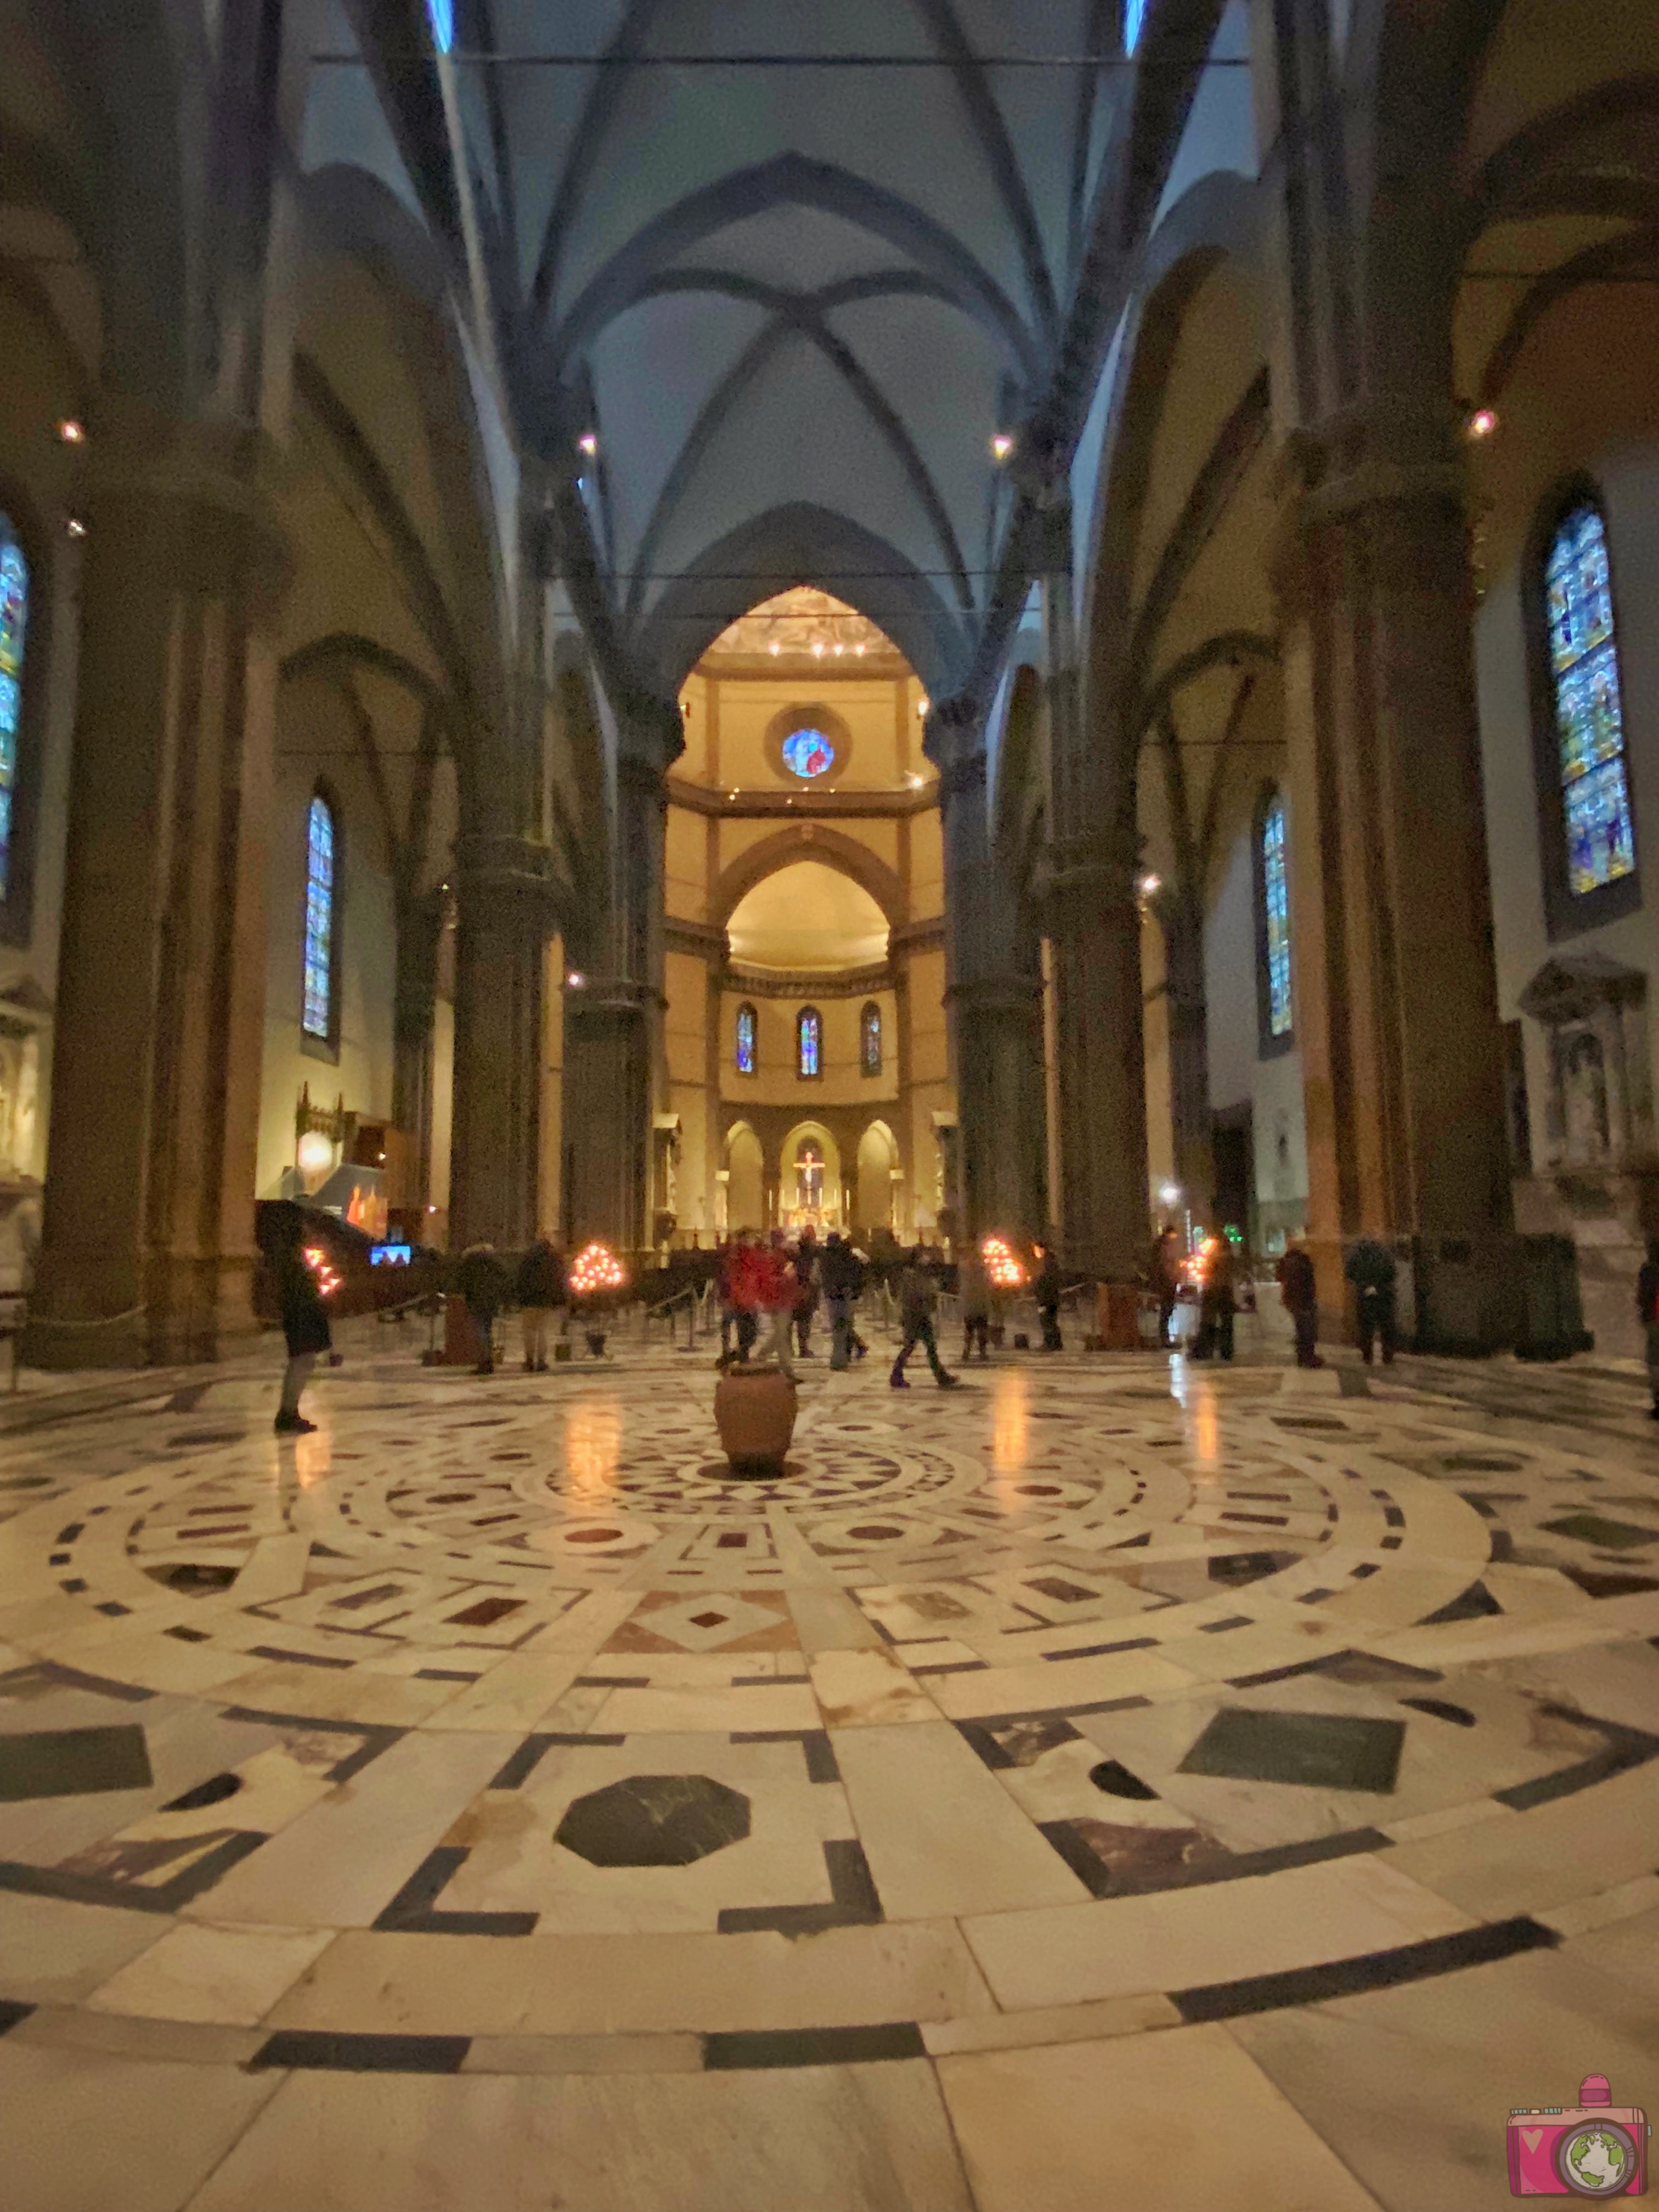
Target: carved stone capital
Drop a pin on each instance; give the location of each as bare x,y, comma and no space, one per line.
1099,872
210,490
999,997
954,731
508,882
650,738
1398,477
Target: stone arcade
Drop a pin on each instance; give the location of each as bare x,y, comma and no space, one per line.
634,619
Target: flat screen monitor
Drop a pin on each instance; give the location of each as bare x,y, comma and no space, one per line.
390,1255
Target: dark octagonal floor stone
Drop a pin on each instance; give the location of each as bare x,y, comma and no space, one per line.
1320,1751
655,1820
72,1762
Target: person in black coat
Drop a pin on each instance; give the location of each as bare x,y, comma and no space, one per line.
842,1274
1300,1292
480,1281
541,1289
1647,1312
1046,1290
304,1329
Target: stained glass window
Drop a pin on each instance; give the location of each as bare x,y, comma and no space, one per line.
441,14
745,1040
1134,15
13,621
1590,717
318,1019
809,1034
808,753
870,1039
1276,905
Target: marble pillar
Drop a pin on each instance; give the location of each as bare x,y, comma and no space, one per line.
1396,999
505,914
420,929
1186,1001
1092,922
613,1022
1094,929
148,1247
995,1011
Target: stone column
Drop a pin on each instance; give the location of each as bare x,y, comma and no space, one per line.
1094,927
996,1011
505,914
614,1021
1185,995
420,928
1093,924
149,1222
1396,1000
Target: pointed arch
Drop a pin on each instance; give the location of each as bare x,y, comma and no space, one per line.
803,543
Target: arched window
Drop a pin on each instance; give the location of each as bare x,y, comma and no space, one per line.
1588,703
1134,16
870,1039
809,1042
1273,926
14,625
747,1023
322,962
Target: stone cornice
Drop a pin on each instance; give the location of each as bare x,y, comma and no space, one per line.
803,806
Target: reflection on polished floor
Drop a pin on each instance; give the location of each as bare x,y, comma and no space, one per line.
1103,1788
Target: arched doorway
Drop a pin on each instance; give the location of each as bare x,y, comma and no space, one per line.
745,1196
874,1206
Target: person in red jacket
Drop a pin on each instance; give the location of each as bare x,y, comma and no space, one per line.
740,1289
778,1291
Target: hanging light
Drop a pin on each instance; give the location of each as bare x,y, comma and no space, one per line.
71,432
588,443
75,526
1001,446
1483,422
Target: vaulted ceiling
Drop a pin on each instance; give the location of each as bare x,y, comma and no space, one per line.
793,303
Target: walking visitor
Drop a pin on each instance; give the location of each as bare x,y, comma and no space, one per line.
841,1273
973,1296
918,1297
777,1291
1300,1294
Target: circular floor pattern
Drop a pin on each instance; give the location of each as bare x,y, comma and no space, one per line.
992,1690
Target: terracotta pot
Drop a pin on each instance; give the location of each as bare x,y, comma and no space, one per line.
756,1417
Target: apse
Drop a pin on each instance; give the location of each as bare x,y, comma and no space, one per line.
807,916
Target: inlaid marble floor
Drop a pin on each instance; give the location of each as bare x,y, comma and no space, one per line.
1113,1786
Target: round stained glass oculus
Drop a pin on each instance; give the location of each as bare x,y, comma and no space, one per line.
808,753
